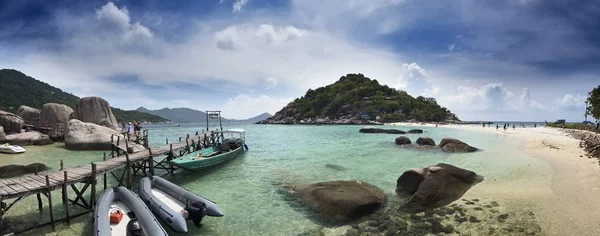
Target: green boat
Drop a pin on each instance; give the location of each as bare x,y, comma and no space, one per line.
212,156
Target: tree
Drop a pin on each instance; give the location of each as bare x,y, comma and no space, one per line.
594,103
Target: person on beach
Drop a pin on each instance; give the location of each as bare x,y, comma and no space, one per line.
513,126
483,125
504,126
497,126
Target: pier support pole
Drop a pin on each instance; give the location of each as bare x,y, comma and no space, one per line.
61,165
167,141
170,157
128,171
112,149
187,145
50,202
151,162
93,179
104,179
66,198
1,214
39,197
193,145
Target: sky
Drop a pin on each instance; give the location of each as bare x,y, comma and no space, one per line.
521,60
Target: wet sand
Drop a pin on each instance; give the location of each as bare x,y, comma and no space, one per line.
569,204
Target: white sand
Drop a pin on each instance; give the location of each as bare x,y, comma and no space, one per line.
571,204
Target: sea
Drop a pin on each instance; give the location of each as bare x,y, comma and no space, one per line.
249,188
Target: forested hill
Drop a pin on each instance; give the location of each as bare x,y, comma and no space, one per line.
354,95
18,89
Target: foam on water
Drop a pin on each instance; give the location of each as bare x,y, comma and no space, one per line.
248,187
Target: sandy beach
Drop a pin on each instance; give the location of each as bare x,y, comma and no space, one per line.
569,206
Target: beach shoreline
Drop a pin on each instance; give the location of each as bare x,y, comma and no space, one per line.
569,205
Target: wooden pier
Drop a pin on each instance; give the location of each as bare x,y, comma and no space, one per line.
135,162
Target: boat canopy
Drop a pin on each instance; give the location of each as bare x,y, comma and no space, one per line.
240,131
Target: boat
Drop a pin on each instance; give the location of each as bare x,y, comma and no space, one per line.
120,212
174,205
11,149
214,155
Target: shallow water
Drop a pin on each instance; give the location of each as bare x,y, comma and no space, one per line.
248,187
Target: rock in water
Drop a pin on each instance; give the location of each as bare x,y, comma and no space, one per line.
335,167
9,171
455,145
11,122
88,136
374,130
57,116
29,138
340,200
435,186
402,140
425,141
415,131
30,115
96,110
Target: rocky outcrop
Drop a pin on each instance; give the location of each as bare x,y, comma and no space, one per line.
455,145
340,200
57,116
11,122
30,115
425,141
29,138
88,136
435,186
9,171
95,110
402,140
374,130
415,131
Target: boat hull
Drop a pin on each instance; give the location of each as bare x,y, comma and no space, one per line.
11,149
188,162
169,212
128,201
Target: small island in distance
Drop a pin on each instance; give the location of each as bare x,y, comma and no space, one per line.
357,99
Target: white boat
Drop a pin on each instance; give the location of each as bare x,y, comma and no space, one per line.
11,149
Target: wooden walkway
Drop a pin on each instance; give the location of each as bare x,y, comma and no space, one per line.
34,184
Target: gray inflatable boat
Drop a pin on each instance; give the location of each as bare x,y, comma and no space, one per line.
174,205
134,218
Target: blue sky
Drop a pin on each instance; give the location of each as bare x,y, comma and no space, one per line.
483,59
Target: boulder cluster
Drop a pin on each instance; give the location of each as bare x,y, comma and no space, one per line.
446,145
375,130
88,127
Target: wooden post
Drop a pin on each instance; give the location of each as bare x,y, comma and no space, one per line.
167,139
193,145
128,172
179,139
126,147
171,158
188,136
1,214
151,162
66,197
112,149
104,179
118,140
93,179
187,145
39,197
61,165
50,202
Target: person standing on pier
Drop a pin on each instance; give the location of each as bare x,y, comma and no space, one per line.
130,129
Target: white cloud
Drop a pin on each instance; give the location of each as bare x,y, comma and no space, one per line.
119,20
244,106
239,4
570,102
451,47
414,80
271,83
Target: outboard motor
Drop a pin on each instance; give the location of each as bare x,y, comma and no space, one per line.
134,228
196,211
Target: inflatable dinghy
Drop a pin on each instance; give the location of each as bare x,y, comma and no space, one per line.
174,205
120,212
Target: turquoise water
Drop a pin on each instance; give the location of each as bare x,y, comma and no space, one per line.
248,187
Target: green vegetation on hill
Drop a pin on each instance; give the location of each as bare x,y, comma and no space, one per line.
18,89
355,93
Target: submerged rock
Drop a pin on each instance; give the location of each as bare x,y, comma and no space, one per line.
11,122
340,200
95,110
402,140
29,138
455,145
9,171
335,167
30,115
435,186
88,136
374,130
425,141
415,131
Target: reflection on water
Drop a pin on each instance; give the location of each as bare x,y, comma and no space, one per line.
248,187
